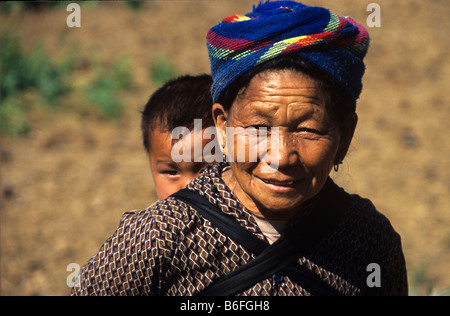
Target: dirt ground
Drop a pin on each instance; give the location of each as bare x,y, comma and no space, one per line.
66,184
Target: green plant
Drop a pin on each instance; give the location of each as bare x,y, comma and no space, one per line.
51,80
162,70
8,6
103,91
103,95
445,292
35,75
134,5
14,64
421,284
21,72
13,118
121,73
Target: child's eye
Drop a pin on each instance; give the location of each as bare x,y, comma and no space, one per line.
171,173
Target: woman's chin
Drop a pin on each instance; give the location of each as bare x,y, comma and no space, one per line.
281,201
278,208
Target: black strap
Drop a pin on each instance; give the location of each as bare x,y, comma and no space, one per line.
279,258
226,223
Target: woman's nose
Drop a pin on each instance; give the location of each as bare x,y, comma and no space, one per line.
288,154
283,152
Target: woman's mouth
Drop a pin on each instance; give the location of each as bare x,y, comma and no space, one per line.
280,186
279,183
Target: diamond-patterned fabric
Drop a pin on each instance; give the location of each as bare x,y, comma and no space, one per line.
170,249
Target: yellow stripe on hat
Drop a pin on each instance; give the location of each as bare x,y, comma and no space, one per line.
240,18
333,24
278,47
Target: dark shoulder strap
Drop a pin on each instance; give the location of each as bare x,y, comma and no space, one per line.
279,258
225,223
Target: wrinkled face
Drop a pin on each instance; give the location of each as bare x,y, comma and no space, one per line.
169,176
308,143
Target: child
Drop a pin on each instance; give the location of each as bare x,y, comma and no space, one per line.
176,104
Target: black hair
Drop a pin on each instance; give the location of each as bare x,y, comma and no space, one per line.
177,103
340,103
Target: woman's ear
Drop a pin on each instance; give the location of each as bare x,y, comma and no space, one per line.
346,130
220,120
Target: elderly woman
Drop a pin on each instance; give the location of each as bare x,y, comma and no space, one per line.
276,225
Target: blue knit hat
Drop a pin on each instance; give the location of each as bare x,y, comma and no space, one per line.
334,44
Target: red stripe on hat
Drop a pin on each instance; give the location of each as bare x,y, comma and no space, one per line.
234,44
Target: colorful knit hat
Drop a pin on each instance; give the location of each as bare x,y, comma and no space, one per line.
334,44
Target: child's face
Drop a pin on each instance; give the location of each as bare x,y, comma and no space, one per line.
169,176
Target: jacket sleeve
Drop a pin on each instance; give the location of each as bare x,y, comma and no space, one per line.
392,271
394,276
130,262
384,268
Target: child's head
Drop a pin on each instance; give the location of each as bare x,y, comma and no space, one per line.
175,104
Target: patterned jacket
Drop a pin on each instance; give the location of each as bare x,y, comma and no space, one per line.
170,249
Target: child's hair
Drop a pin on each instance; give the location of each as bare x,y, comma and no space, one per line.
178,103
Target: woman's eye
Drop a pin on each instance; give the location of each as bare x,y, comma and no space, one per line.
310,130
260,127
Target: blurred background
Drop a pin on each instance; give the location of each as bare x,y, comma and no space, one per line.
71,155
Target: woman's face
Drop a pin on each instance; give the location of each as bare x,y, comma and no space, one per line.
306,148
